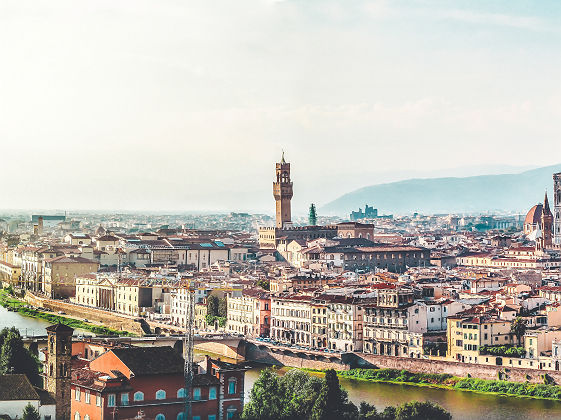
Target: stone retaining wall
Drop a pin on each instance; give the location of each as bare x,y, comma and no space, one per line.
107,319
264,354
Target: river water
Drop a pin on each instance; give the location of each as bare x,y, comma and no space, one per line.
463,405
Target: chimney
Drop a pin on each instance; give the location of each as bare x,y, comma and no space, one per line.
208,364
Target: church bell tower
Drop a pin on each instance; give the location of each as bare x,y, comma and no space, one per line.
557,208
547,223
57,369
282,191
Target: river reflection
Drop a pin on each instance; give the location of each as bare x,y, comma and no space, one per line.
463,405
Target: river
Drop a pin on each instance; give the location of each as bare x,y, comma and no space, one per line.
463,405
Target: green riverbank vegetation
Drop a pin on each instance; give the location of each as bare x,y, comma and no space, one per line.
523,389
299,395
21,307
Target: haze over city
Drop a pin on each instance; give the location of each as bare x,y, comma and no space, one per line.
184,106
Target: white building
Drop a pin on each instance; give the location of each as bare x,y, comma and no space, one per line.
16,392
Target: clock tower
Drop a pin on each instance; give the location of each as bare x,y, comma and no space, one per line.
282,191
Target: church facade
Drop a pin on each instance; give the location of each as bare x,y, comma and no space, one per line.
557,208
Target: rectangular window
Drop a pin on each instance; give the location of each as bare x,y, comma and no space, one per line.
125,398
196,417
98,400
77,396
212,417
111,400
212,393
87,396
196,394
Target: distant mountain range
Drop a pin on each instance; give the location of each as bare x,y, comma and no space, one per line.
473,194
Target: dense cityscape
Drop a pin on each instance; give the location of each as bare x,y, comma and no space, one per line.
280,210
458,295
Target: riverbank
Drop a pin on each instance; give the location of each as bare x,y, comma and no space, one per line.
19,306
453,383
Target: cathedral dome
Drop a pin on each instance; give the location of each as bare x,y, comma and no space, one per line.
533,218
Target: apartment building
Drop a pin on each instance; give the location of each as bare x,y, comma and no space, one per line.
60,273
468,331
291,319
249,313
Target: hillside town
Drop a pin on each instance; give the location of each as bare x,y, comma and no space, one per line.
469,289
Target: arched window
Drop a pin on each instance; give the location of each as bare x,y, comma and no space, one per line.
86,417
138,396
160,395
180,416
160,417
77,416
181,393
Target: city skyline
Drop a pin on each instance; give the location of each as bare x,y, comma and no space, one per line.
190,114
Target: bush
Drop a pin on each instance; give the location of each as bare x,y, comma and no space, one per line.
509,351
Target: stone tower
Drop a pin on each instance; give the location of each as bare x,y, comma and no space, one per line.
57,371
557,208
282,191
547,223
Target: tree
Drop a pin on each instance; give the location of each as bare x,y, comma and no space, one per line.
30,413
264,284
417,410
333,401
15,358
212,305
312,216
267,398
222,308
518,328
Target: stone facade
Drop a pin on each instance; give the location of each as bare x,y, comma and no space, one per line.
557,208
57,368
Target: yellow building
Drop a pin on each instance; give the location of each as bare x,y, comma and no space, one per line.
466,333
10,274
59,274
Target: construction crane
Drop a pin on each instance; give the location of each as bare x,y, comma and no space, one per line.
189,348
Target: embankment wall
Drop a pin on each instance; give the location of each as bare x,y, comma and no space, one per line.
108,319
355,360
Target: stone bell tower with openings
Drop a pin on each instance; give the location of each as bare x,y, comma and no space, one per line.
557,209
282,191
56,370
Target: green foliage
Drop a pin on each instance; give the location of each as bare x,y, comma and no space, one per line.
333,401
264,284
300,396
546,390
506,350
421,411
518,328
223,308
511,388
395,375
212,305
211,320
15,358
312,215
30,413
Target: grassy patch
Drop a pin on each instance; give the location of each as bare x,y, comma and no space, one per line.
517,389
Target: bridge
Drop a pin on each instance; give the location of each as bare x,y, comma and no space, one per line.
224,345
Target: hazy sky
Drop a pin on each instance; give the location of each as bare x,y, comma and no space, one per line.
186,105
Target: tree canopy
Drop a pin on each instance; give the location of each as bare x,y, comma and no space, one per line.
15,358
298,395
30,413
